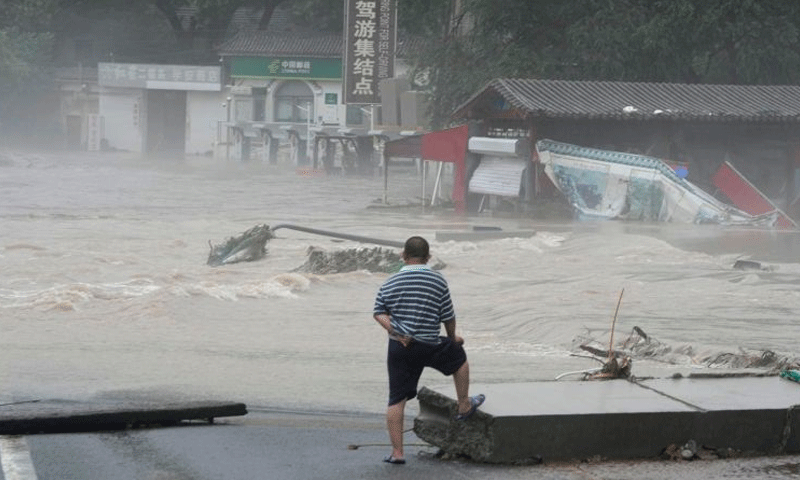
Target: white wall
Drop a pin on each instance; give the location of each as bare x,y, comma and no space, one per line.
331,114
123,111
203,112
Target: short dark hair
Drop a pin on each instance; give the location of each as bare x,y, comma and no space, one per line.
417,247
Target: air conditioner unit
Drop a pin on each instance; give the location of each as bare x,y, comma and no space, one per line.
500,147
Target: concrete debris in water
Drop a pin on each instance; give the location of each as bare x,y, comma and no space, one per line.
376,259
247,247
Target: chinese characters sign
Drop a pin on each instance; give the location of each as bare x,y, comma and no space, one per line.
159,77
369,49
276,68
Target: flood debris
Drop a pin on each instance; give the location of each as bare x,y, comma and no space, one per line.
375,259
612,369
691,450
640,345
247,247
617,365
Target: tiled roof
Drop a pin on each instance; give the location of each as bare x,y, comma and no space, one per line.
269,43
272,44
645,101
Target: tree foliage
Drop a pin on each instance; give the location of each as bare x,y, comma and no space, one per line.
25,41
691,41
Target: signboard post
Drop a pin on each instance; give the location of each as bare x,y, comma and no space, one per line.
370,37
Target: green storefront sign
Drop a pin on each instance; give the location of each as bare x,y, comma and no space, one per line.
287,67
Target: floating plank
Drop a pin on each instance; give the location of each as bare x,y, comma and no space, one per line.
615,419
65,416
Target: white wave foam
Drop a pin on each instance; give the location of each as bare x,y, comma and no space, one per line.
64,297
281,286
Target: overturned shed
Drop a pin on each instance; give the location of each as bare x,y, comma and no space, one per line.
695,127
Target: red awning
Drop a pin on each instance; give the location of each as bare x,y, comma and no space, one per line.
443,146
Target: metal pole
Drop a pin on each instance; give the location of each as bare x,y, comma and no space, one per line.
385,177
345,236
228,132
308,131
424,168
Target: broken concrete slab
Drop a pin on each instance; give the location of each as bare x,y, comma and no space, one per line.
66,416
615,419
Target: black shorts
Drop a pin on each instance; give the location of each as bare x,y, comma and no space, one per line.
405,364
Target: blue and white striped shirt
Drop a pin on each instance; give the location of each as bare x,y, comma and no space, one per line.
418,301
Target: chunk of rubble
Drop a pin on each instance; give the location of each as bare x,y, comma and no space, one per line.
375,260
247,247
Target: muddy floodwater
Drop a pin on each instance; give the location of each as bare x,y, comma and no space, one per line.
105,291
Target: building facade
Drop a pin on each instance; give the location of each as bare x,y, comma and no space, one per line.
160,109
286,99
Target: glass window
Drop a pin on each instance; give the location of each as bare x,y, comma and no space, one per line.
283,110
293,100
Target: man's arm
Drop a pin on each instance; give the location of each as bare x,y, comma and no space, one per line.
450,328
385,321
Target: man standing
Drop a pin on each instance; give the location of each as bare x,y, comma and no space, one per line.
411,305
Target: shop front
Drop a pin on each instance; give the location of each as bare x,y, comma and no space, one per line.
160,109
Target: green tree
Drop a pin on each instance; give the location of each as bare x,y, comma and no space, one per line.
25,49
694,41
719,41
25,41
196,26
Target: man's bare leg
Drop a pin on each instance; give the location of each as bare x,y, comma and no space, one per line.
395,416
461,380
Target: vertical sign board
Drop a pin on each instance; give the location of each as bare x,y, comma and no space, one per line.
370,33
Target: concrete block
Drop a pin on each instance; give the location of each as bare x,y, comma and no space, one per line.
615,419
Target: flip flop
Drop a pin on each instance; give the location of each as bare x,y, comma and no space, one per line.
394,461
476,402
